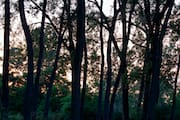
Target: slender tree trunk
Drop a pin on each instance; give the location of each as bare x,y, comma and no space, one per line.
148,68
122,72
147,75
108,81
143,78
5,89
99,107
175,92
55,66
83,94
40,60
29,86
77,60
124,64
52,78
116,85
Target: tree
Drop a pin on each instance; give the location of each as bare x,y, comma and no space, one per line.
76,67
99,107
139,66
175,91
5,89
39,63
55,66
156,32
29,85
122,72
83,94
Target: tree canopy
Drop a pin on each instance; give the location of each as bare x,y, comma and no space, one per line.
90,59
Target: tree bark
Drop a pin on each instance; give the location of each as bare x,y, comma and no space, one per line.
175,91
99,107
157,31
5,89
124,64
40,60
55,67
29,85
108,81
77,60
52,78
83,93
143,81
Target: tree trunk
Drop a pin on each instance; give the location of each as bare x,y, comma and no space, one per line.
116,85
108,81
147,79
55,66
5,89
53,76
175,91
124,64
144,82
157,44
29,85
77,60
83,93
99,107
40,60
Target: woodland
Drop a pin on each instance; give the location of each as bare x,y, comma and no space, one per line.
79,60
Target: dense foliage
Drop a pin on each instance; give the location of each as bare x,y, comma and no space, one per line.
72,60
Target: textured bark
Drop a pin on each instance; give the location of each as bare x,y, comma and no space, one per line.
5,89
29,85
40,60
77,60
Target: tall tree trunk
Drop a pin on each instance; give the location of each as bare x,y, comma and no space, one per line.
52,78
83,93
143,79
147,76
55,66
29,85
175,91
116,85
108,81
5,89
124,64
148,64
77,60
99,106
40,60
122,72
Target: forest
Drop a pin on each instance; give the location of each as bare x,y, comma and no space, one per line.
90,60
